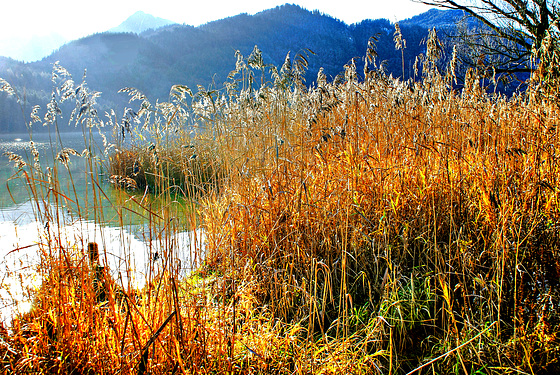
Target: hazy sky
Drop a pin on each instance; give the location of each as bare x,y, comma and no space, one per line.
73,19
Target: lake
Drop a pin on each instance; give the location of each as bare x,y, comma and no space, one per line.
82,207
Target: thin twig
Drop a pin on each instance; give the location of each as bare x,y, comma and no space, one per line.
144,359
451,351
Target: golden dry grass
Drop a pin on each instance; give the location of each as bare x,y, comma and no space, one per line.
363,226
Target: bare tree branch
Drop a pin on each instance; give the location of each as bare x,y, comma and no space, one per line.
524,24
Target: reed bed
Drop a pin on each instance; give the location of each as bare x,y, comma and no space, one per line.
365,225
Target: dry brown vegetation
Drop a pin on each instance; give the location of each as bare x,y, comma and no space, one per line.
362,226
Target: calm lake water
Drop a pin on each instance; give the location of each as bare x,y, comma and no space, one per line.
77,217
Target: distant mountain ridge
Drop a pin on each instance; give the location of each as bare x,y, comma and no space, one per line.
154,60
140,22
443,20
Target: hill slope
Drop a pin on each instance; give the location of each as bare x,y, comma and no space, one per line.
154,60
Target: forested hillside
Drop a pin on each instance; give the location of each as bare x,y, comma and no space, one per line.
180,54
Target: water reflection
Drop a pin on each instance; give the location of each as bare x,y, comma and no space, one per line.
83,208
131,254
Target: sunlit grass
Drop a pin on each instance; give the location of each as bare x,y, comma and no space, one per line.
362,226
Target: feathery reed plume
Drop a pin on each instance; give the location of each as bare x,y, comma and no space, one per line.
365,225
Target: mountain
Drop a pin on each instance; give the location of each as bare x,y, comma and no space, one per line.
140,22
154,60
442,20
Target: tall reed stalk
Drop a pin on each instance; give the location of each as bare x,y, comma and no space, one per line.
366,225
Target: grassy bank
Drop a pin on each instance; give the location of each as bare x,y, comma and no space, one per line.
361,226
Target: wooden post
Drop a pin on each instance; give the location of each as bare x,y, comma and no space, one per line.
99,281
